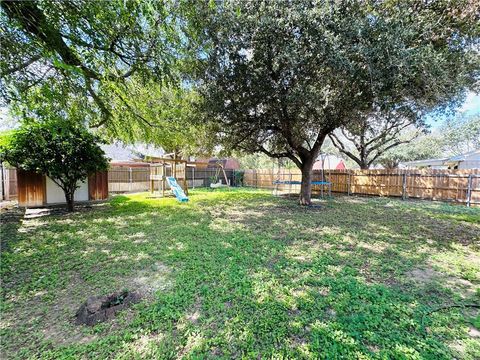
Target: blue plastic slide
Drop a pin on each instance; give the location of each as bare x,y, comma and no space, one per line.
176,189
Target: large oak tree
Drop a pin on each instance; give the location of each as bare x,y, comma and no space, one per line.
283,75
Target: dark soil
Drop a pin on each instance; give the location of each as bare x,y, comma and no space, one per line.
102,308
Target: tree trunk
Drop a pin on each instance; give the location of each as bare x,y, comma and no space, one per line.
69,200
306,186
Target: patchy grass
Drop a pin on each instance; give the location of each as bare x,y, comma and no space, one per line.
242,274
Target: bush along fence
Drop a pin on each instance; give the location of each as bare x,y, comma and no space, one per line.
459,186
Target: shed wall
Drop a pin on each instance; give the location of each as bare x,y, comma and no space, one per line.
55,194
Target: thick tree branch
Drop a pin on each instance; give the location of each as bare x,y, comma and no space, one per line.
35,23
281,155
379,153
339,145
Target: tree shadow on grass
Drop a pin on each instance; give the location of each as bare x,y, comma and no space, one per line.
260,278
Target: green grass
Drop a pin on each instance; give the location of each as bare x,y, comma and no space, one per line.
242,274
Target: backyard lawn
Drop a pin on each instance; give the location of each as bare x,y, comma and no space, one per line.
241,274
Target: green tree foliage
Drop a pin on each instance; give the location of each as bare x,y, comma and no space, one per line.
424,147
6,137
457,136
282,75
91,49
170,118
461,135
64,151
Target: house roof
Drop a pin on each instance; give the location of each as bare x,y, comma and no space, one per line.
463,157
227,163
426,162
444,161
118,151
331,162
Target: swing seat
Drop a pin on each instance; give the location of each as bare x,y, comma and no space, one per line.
217,185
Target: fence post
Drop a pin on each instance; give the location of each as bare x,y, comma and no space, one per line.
130,178
6,179
290,185
469,189
404,186
3,196
348,183
193,177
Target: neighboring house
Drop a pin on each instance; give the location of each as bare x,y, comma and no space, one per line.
426,163
132,155
329,162
35,189
469,160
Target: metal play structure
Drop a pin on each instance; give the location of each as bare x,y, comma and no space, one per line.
217,182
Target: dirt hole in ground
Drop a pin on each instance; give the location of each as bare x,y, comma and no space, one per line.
98,309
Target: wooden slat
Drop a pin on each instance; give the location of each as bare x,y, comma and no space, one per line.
447,185
98,186
31,188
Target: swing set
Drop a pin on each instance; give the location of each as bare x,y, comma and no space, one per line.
169,177
216,179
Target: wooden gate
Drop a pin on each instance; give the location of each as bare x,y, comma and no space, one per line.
98,186
31,188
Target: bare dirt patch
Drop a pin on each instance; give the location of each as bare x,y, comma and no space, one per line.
98,309
427,276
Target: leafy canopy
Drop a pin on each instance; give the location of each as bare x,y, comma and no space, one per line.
282,75
91,49
457,136
170,112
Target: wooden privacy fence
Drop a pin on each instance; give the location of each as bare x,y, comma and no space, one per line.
461,186
8,183
134,179
128,179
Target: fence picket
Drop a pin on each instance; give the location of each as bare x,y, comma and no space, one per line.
445,185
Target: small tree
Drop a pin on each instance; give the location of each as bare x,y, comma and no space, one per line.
65,152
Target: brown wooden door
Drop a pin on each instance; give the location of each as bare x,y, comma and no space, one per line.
31,188
98,186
